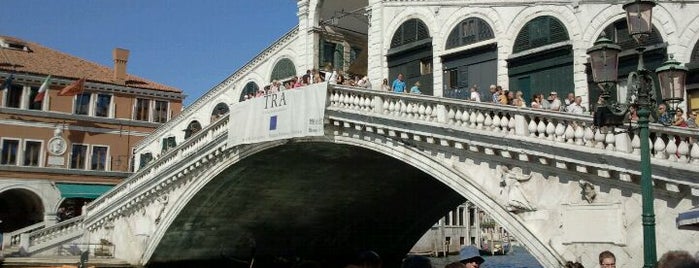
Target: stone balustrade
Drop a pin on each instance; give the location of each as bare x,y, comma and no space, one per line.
150,177
67,227
671,146
12,239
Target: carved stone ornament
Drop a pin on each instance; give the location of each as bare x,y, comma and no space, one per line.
515,197
588,191
57,145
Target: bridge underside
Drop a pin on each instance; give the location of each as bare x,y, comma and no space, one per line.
312,201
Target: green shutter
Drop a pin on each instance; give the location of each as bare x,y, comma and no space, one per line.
412,30
469,31
283,69
540,31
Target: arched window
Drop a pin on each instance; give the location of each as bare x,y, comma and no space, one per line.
693,80
284,69
411,55
192,128
219,111
541,71
469,31
412,30
540,31
249,90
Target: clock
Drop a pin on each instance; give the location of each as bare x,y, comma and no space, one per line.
57,146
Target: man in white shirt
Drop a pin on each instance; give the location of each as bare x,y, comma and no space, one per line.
575,107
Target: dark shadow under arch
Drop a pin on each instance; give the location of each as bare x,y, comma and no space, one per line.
307,200
19,208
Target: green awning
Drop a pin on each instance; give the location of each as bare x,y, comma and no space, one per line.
72,190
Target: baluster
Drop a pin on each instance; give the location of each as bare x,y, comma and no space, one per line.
532,127
488,123
422,111
457,117
569,134
541,128
671,150
579,135
431,113
551,131
465,117
496,123
392,108
636,144
683,151
609,140
599,139
694,153
473,119
403,108
480,119
560,132
659,147
386,107
505,123
450,116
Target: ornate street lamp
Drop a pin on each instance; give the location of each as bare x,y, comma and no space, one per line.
604,65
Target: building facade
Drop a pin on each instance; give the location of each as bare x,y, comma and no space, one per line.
62,151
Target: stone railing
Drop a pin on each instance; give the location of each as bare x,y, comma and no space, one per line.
62,230
12,239
671,146
154,169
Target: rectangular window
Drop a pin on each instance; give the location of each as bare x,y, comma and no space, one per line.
142,109
34,105
102,105
9,152
160,114
14,96
99,158
32,153
425,66
82,103
78,156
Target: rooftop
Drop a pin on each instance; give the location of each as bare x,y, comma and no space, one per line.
20,56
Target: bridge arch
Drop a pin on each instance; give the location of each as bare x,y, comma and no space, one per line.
460,181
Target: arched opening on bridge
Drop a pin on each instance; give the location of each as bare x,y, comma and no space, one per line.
307,200
343,28
71,207
411,55
475,66
249,91
192,129
283,71
20,208
219,111
693,80
534,70
653,57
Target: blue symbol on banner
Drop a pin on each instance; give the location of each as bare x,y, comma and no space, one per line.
273,123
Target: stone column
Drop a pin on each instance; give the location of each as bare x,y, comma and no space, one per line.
376,68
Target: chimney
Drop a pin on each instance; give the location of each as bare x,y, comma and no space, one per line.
121,56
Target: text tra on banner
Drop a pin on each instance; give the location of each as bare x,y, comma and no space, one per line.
283,115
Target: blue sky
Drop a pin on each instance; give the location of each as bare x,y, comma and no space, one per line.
191,45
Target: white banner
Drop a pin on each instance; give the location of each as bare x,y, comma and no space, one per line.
288,114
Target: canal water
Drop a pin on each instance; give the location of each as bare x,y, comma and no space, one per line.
519,257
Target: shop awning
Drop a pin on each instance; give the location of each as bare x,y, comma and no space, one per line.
73,190
689,220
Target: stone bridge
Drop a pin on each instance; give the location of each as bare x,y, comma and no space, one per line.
388,167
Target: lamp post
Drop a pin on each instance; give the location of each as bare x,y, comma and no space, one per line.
604,63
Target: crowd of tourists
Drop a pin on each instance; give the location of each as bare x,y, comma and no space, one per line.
313,76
